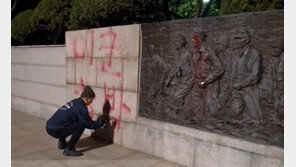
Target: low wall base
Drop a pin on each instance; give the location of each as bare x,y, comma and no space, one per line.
191,147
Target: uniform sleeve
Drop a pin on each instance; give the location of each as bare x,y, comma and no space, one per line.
255,64
89,123
218,68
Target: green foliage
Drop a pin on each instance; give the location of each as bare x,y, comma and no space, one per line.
21,26
184,8
95,13
47,23
240,6
187,9
52,16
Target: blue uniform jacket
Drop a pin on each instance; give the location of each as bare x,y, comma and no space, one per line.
71,112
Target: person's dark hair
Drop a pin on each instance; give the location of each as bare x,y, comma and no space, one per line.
88,92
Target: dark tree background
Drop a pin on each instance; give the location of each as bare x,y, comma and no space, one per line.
36,22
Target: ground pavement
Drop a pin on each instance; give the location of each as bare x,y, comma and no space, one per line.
31,146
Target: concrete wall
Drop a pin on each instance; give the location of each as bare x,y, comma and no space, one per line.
38,85
191,147
107,59
45,77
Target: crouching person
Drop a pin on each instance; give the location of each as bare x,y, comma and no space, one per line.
71,119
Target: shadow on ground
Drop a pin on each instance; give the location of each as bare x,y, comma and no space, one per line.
90,143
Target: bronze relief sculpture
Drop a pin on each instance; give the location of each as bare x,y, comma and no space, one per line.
231,82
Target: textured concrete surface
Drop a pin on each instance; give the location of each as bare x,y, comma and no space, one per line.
130,75
212,138
109,76
31,146
39,55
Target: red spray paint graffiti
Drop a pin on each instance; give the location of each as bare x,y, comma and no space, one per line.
106,68
117,74
76,53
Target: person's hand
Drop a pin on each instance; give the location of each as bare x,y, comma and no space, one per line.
237,86
201,84
106,120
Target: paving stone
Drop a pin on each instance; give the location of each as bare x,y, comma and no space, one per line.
167,164
53,164
136,160
108,164
110,152
28,148
43,151
30,160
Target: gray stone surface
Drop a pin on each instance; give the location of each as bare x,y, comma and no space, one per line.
54,75
39,55
111,76
130,99
138,137
46,111
262,161
56,95
128,40
174,147
130,74
211,155
269,151
76,43
33,108
85,72
17,71
17,103
30,90
99,42
136,160
70,70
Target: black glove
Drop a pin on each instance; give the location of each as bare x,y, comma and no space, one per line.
106,120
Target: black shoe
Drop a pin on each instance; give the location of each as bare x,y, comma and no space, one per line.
72,152
62,145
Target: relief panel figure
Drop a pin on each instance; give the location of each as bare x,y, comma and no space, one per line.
247,70
277,49
182,74
224,52
208,69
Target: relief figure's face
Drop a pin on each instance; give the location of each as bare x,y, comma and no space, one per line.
240,42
